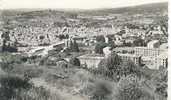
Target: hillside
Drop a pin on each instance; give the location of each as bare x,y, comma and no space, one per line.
146,8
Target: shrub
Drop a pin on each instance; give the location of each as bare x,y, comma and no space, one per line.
99,90
129,89
74,61
10,85
8,60
133,88
62,64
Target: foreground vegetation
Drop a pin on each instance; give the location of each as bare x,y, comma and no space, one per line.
23,79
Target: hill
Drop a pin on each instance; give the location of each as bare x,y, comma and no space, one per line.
146,8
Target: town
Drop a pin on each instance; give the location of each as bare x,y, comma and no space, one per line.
109,46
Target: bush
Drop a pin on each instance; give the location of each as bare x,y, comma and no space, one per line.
8,60
10,85
133,88
62,64
75,61
101,90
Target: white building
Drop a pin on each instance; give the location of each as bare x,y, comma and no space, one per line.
161,60
90,60
107,51
149,52
126,57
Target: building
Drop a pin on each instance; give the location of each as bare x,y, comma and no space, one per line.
153,44
161,60
126,57
79,39
90,60
145,51
107,51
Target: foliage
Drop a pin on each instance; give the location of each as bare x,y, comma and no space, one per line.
101,91
160,80
62,36
10,84
8,60
74,61
99,47
130,68
74,46
62,64
50,60
129,88
139,42
100,38
111,66
7,47
113,60
35,93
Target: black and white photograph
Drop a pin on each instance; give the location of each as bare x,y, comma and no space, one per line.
84,49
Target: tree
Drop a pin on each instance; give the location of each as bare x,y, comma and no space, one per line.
113,60
100,38
9,85
129,67
8,60
62,64
73,46
101,90
5,35
160,79
111,66
74,61
99,47
139,42
129,88
4,45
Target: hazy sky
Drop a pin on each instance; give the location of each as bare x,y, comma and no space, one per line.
81,4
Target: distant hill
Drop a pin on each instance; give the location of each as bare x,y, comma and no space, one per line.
146,8
141,9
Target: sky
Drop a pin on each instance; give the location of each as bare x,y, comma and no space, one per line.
72,4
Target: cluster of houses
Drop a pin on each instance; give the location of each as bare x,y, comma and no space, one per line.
153,55
153,58
30,35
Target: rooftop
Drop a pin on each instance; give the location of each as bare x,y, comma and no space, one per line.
128,55
92,56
